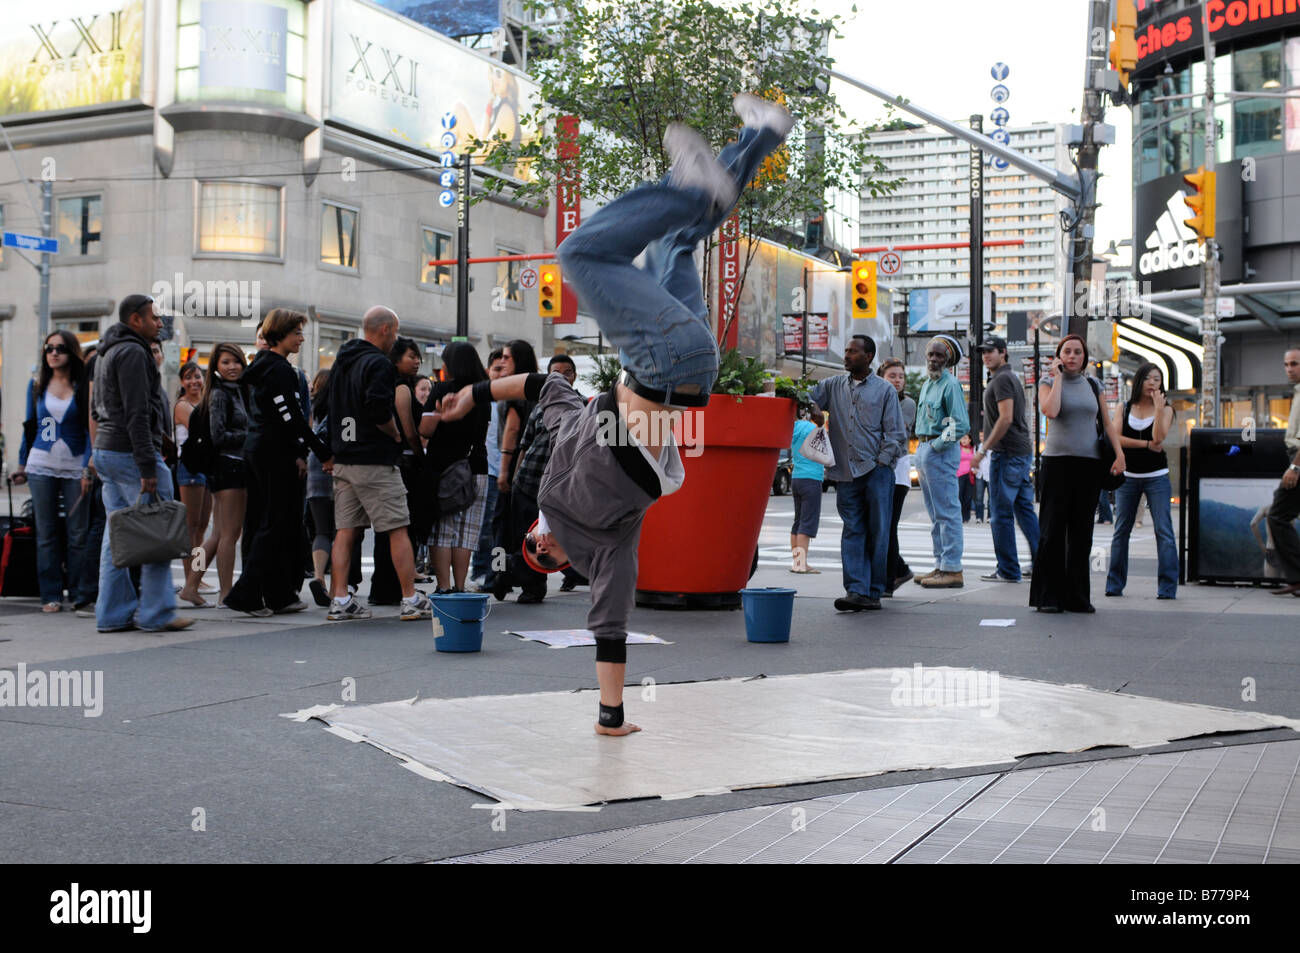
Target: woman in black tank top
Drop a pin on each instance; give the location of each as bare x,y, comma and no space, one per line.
1145,422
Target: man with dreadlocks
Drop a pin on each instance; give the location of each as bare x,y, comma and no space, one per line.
941,422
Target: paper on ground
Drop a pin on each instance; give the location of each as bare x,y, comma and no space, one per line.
569,638
539,752
998,623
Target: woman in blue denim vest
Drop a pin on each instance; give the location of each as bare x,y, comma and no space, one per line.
53,460
1144,424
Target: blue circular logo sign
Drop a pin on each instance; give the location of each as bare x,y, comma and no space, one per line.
999,93
1000,116
447,180
1000,71
446,198
1000,135
449,120
1001,164
448,160
448,139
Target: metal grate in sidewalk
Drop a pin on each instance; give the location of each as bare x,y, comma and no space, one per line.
1235,804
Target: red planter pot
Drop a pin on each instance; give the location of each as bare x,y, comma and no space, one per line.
698,544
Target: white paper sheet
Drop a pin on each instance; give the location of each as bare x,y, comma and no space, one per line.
539,752
569,638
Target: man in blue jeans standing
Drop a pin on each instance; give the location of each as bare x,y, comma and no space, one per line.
867,438
131,419
941,421
1011,455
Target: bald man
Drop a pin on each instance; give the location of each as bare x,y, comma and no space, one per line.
367,444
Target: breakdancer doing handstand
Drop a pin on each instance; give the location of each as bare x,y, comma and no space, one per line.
613,457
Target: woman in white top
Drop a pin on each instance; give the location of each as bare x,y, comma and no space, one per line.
193,486
1144,423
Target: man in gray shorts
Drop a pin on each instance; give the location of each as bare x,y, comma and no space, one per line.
368,488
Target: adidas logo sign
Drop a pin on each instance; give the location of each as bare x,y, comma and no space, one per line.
1172,245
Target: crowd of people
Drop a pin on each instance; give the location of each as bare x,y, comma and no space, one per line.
284,473
1090,450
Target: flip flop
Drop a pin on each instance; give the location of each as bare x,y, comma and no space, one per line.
198,605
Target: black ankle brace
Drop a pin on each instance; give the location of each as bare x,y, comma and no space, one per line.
611,716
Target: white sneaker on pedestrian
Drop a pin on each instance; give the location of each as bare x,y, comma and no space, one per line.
347,611
696,167
416,608
759,113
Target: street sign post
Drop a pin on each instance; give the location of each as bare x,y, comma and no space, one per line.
891,263
36,243
528,279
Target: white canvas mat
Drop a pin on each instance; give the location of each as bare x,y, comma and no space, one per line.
539,752
569,638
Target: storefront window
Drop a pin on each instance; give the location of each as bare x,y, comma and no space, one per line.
435,246
84,330
1257,123
239,218
80,224
329,340
508,277
338,235
1292,106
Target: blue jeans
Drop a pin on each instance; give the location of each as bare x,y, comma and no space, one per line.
480,564
656,315
60,540
118,607
1128,498
865,505
1011,501
937,470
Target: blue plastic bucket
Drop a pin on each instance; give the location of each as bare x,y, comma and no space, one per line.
458,621
767,614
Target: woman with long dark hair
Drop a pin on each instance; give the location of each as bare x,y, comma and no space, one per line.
193,487
53,459
1145,422
385,590
455,535
224,403
519,358
1071,480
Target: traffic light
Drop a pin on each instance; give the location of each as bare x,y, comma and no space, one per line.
1201,202
548,291
1123,49
864,289
1114,342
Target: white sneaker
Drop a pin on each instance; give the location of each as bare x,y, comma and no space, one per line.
762,113
348,611
417,608
696,167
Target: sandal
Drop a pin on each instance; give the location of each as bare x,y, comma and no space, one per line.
52,607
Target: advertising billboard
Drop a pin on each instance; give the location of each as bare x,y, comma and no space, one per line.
69,54
394,79
1166,252
452,17
243,50
942,309
1162,35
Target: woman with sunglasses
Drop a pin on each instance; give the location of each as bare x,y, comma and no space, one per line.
53,460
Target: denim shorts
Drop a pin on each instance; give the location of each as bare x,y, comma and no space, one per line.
807,506
185,478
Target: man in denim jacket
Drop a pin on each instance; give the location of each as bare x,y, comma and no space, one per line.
941,422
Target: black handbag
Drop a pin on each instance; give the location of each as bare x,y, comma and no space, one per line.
1105,450
456,490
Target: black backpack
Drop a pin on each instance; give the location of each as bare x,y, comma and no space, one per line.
197,453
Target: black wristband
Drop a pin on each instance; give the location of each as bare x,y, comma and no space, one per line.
611,716
482,392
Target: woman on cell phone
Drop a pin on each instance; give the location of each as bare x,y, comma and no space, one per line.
1145,422
53,459
193,486
1071,480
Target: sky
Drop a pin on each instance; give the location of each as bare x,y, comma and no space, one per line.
938,54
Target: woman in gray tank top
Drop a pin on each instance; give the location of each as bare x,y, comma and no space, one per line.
1071,480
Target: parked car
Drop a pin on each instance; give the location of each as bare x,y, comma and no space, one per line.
784,474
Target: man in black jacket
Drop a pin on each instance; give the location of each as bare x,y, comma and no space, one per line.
275,449
366,442
131,419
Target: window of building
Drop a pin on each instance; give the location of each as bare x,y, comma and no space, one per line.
239,219
435,246
1257,123
329,338
508,277
83,329
79,227
339,228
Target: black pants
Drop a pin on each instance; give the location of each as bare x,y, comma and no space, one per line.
523,511
272,570
1065,520
966,493
895,563
1281,524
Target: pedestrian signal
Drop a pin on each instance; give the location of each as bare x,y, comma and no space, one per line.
864,289
548,291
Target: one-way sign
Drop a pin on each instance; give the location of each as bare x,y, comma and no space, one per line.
35,243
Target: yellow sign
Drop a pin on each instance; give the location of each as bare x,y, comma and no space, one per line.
63,54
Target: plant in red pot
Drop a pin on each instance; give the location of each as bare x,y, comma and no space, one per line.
699,546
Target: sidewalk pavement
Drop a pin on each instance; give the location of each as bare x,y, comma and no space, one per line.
192,720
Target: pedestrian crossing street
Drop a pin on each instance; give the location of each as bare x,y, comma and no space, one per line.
913,541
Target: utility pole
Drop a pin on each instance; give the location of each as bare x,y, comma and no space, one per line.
1210,270
976,279
47,216
462,250
1092,114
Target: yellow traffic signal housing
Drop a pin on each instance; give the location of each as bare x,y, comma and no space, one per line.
549,286
1123,49
864,289
1114,342
1202,202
